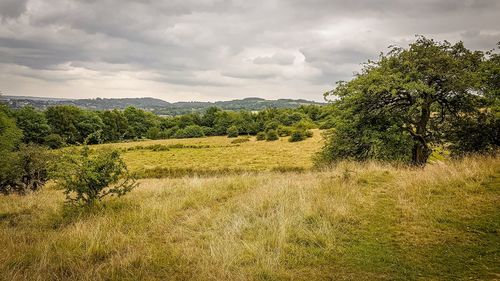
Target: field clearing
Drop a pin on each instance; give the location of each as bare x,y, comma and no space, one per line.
217,155
355,222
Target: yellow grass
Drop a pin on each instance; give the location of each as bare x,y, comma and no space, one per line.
355,222
221,155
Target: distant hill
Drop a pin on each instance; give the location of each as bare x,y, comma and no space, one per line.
157,106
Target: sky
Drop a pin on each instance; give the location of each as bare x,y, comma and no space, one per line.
209,50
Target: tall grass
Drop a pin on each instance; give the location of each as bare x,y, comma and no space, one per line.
354,222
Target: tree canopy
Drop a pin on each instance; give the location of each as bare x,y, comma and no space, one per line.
409,100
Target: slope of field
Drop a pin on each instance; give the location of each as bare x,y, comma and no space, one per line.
215,155
356,222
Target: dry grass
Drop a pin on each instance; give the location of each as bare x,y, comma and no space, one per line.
221,155
355,222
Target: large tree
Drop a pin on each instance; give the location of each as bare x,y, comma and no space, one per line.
399,106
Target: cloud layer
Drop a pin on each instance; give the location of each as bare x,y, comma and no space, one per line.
216,49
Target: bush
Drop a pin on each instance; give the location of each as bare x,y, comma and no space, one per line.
25,170
191,131
284,131
298,135
272,135
232,132
87,178
153,133
261,136
54,141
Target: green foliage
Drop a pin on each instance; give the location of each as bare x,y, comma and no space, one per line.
25,170
153,133
54,141
191,131
33,124
284,131
61,125
115,125
477,133
232,132
261,136
10,134
299,135
63,121
272,135
88,177
139,122
400,106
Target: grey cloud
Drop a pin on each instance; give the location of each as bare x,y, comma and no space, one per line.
12,8
277,58
199,45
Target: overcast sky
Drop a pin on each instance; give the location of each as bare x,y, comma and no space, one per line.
207,50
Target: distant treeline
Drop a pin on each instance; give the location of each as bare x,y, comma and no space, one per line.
62,125
156,106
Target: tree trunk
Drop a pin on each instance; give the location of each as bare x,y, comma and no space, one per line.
420,154
421,151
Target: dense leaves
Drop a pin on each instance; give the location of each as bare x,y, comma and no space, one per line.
68,125
88,177
411,100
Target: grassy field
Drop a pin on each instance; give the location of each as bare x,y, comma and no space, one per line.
216,155
355,222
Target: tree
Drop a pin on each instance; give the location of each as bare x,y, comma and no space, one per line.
403,101
272,135
115,125
232,132
25,170
88,177
192,131
63,121
261,136
33,124
10,134
139,122
90,127
10,137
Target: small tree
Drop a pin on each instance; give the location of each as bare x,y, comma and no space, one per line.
25,170
261,136
87,177
272,135
54,141
298,135
191,131
232,132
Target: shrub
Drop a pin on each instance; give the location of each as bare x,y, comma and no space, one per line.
298,135
309,134
261,136
284,131
272,135
153,133
25,170
208,131
87,177
232,132
54,141
304,125
191,131
271,125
